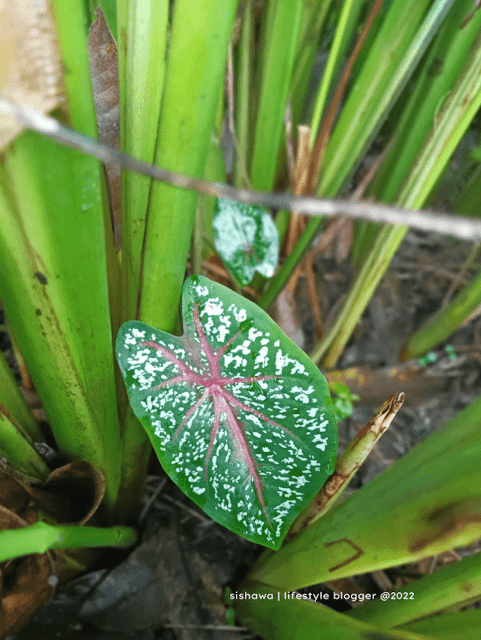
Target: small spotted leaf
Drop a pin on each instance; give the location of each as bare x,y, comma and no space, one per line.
246,239
238,415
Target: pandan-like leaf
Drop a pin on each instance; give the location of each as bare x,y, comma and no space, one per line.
238,415
246,239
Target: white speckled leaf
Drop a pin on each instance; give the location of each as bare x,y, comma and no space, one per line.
239,416
246,239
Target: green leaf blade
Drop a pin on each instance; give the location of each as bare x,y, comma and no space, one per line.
246,238
236,413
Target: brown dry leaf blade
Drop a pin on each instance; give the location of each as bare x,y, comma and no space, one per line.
105,86
71,494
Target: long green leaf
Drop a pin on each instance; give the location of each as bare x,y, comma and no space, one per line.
461,107
278,57
143,27
53,279
440,71
452,626
445,322
14,403
17,447
402,39
452,585
279,615
195,70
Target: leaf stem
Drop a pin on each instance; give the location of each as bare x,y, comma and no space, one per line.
40,537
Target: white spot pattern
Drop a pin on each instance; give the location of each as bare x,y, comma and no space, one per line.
277,408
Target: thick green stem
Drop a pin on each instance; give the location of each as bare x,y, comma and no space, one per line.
40,537
200,34
445,322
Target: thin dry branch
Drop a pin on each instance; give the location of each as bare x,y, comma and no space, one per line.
453,225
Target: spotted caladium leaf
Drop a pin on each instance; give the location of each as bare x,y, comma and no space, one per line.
238,415
246,239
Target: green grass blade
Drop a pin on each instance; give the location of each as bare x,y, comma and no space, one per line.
372,96
315,16
451,585
460,109
445,322
278,615
393,57
194,76
433,495
278,58
436,78
17,447
345,28
142,69
450,626
41,536
449,53
243,94
14,403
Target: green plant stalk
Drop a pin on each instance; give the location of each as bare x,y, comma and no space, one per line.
12,400
439,73
278,56
449,626
403,38
451,585
54,280
283,617
451,51
315,16
433,495
214,170
444,323
460,109
370,100
360,294
199,38
192,85
203,240
60,357
40,537
143,27
469,200
347,21
17,447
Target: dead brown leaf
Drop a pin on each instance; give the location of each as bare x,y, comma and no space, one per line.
31,71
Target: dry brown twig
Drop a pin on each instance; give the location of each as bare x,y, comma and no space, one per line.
347,465
455,225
